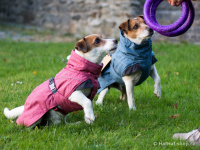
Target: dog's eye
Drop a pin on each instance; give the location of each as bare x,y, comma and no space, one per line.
97,41
135,27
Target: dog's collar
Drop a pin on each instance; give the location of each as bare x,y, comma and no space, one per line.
131,49
78,63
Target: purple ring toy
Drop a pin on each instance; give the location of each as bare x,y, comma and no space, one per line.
177,28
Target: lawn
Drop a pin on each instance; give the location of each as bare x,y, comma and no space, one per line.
23,66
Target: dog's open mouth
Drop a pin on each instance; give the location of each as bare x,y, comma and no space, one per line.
150,34
113,49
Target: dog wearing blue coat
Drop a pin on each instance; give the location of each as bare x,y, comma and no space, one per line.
132,63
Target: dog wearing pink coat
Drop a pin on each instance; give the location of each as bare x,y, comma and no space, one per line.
72,89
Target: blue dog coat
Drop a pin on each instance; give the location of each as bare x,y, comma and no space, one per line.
128,58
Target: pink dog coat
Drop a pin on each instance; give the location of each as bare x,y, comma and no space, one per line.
77,71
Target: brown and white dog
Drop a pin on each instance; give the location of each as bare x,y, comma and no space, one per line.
137,32
90,50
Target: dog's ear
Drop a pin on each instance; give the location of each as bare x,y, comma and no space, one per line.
141,16
125,26
81,45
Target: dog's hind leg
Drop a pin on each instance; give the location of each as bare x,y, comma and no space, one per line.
53,117
35,124
14,113
123,93
156,78
121,88
102,96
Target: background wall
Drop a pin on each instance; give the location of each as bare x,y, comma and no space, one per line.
82,17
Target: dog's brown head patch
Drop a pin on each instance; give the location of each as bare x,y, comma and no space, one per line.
133,27
88,43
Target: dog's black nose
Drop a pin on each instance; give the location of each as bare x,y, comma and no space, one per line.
115,41
150,30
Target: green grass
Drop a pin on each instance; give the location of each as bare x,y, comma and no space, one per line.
115,126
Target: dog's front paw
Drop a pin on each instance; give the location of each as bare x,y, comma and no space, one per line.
89,119
157,91
132,108
89,116
98,102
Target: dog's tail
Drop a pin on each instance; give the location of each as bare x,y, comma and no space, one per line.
14,113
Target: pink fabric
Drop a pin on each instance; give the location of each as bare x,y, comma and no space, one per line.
67,80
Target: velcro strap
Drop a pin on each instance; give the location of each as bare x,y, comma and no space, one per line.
52,85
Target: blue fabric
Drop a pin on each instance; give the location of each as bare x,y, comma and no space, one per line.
126,55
